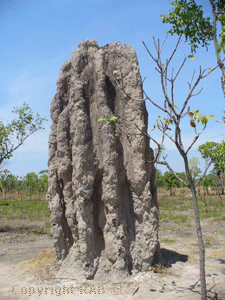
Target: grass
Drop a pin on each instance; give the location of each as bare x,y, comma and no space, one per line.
208,208
4,203
25,209
42,265
159,268
47,225
207,243
167,217
39,231
172,228
174,211
167,240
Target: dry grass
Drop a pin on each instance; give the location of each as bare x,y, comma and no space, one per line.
23,196
43,265
185,192
44,257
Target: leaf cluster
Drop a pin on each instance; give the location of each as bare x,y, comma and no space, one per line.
13,134
208,181
210,150
196,116
111,119
171,181
187,18
193,167
163,124
221,42
8,181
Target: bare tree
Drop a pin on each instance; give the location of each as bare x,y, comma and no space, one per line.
173,121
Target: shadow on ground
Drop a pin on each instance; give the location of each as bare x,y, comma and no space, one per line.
171,257
25,229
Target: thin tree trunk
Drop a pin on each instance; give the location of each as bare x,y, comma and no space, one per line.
214,37
222,182
201,245
3,191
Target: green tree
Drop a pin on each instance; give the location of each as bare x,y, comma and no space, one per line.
42,182
215,177
170,182
43,177
8,182
210,150
194,169
207,149
159,178
187,18
31,182
207,182
183,176
20,185
3,181
18,130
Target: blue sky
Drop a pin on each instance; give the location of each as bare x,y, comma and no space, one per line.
37,37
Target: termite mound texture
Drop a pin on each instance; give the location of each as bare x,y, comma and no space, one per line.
101,195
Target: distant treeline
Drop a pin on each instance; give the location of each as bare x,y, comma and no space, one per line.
169,181
36,184
32,184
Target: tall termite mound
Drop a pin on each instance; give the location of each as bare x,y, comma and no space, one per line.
101,195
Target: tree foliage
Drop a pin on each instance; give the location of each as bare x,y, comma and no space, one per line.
14,133
159,178
210,150
43,181
207,149
32,183
194,167
187,18
207,182
8,182
170,182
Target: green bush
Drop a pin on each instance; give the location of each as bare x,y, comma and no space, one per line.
4,203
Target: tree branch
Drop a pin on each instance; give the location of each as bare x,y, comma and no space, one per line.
172,171
195,139
173,52
218,65
180,68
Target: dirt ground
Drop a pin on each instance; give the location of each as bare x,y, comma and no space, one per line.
28,267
